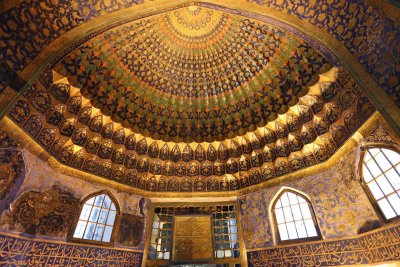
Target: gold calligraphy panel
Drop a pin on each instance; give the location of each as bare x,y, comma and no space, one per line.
192,240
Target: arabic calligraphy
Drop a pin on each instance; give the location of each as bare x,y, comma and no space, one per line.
23,252
380,246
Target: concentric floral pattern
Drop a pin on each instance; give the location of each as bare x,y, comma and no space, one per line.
177,82
238,103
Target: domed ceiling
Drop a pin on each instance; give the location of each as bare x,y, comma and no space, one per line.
193,99
194,74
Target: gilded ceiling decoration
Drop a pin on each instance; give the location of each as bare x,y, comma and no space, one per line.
364,29
193,74
192,100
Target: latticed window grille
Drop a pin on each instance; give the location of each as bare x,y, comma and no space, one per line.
97,219
224,232
294,217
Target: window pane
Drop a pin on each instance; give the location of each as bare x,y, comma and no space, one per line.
311,231
292,198
383,162
393,156
288,214
234,238
90,201
301,229
283,232
386,208
367,174
279,216
228,254
393,178
107,234
278,204
367,157
233,229
99,200
89,230
103,216
94,215
291,230
80,229
384,185
85,212
296,212
305,210
220,253
374,151
373,168
395,202
167,255
301,200
107,202
98,233
376,192
113,206
284,200
111,218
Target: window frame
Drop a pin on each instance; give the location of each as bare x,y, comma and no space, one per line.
371,198
77,215
275,221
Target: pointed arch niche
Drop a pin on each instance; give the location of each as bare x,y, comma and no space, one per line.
293,217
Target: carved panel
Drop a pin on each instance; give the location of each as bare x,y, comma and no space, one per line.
192,240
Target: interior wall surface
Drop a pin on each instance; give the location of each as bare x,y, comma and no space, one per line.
350,226
38,213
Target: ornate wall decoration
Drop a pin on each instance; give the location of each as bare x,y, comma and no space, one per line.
379,134
24,252
131,230
12,169
339,202
42,213
380,246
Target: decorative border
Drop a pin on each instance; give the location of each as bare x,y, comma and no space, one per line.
16,251
379,246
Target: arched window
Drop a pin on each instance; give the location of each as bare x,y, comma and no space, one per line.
381,175
96,220
294,218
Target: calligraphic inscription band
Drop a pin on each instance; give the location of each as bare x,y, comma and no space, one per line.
24,252
379,246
